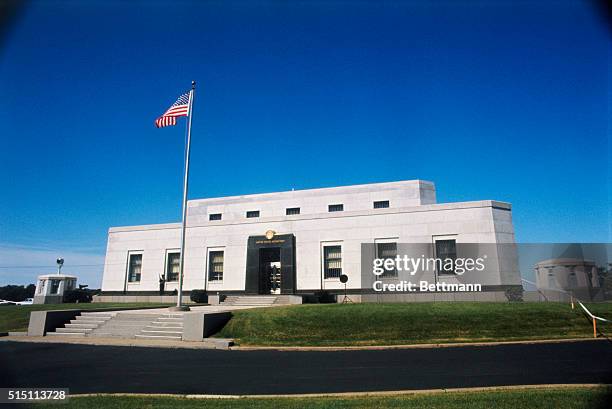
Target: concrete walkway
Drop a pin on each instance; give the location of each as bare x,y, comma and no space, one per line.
165,310
208,343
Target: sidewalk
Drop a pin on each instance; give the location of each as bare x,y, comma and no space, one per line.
209,343
165,310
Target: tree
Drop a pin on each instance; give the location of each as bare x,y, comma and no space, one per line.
17,292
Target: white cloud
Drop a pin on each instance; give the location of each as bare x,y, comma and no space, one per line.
22,264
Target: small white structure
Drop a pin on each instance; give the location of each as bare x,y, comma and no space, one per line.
50,288
559,276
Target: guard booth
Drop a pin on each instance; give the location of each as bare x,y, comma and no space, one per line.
50,288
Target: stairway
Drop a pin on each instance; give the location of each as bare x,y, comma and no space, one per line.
123,325
167,326
250,300
82,325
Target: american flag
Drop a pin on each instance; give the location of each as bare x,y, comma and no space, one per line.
179,108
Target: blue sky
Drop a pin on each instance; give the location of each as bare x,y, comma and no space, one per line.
490,100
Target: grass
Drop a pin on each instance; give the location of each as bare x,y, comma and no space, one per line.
409,323
16,317
557,398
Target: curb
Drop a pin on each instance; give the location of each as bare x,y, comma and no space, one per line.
411,346
128,342
354,394
118,342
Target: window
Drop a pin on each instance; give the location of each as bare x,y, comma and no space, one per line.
381,204
214,216
215,266
332,261
552,279
41,286
134,268
572,280
387,251
252,213
336,207
55,286
173,265
291,211
446,249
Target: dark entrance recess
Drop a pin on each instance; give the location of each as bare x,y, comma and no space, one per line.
270,270
270,263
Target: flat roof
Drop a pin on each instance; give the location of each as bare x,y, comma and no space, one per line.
356,213
325,190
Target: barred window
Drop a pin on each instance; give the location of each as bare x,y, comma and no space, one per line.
252,213
135,267
292,211
214,216
335,207
173,265
332,262
215,266
381,204
387,251
446,249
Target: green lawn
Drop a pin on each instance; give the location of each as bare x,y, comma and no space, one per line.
558,398
16,317
409,323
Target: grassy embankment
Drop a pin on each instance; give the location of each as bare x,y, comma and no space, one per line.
410,323
16,317
557,398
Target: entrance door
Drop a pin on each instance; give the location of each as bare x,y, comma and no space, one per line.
269,270
261,251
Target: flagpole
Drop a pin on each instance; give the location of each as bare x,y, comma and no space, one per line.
179,301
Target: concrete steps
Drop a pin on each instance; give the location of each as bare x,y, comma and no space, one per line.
250,300
285,299
82,325
167,326
67,334
125,325
261,300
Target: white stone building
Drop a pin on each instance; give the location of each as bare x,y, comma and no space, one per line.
299,242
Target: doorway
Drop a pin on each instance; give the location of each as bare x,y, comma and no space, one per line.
270,270
262,250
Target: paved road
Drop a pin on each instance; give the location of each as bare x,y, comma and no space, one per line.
87,369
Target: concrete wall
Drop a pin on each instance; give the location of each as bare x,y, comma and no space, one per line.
199,325
42,322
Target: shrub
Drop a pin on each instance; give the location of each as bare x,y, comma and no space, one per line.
514,294
325,297
77,296
199,296
17,292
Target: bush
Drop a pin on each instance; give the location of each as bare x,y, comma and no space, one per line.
514,294
325,297
77,296
17,292
199,296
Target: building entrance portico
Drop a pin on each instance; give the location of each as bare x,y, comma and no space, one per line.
270,264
